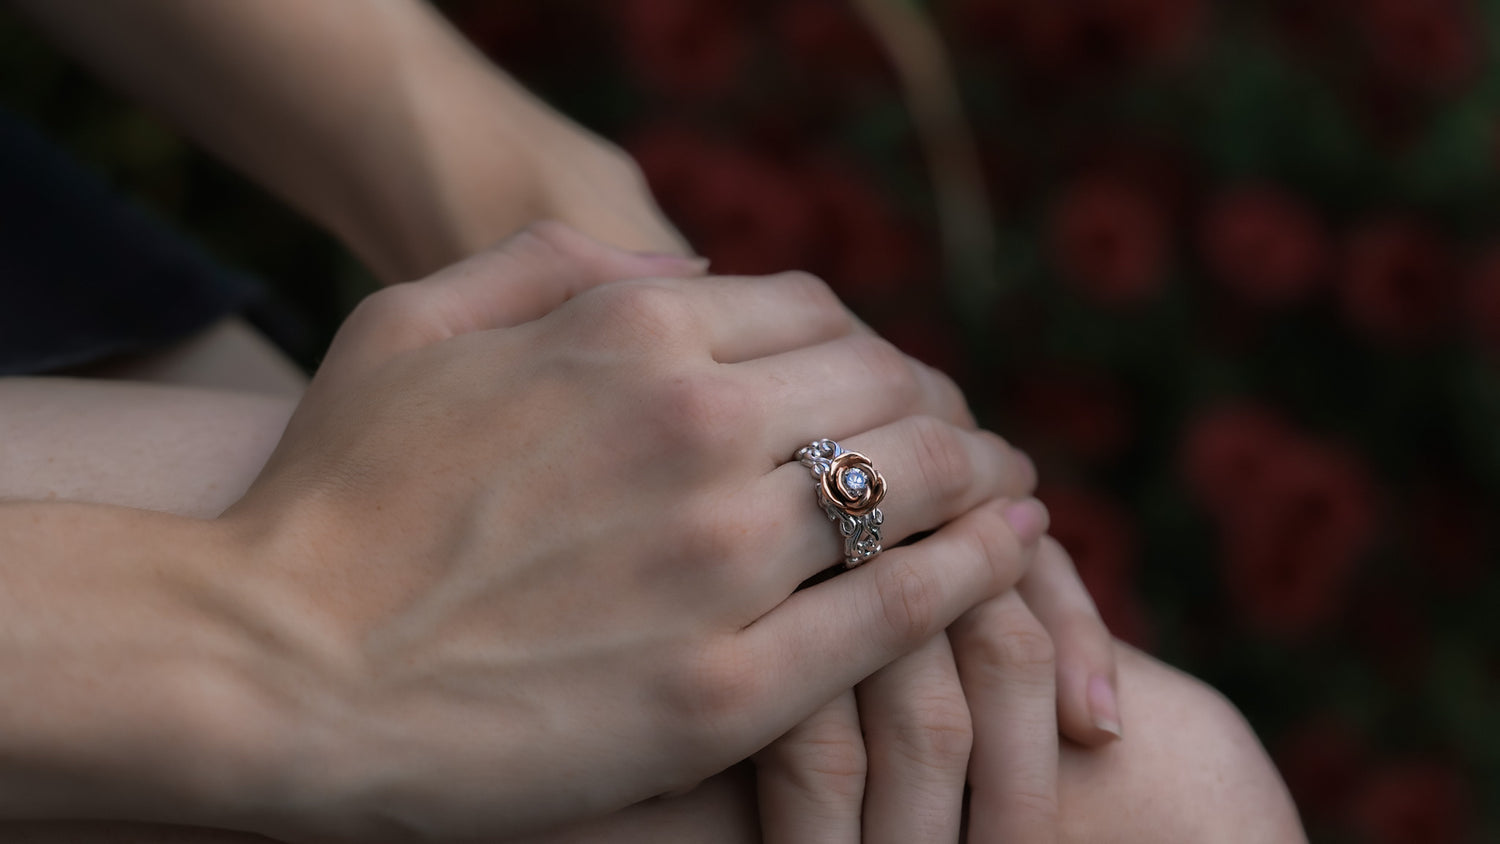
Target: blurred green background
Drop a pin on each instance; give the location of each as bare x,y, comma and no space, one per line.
1239,296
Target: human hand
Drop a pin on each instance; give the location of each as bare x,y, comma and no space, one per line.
890,763
495,159
519,572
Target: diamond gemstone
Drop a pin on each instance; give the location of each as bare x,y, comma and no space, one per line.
856,479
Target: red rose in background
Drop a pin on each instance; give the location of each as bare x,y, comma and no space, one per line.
1421,801
1483,300
744,212
1264,244
1228,453
685,47
1398,283
1085,37
1296,514
1110,240
1430,44
1293,545
1099,536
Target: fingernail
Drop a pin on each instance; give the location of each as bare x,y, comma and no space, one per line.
1028,518
1102,705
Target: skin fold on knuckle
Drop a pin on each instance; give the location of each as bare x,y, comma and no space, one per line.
813,295
1008,645
935,732
908,601
946,474
824,764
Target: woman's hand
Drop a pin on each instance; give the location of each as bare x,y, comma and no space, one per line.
521,565
890,763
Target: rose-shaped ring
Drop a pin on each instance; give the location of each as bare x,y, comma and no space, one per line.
849,490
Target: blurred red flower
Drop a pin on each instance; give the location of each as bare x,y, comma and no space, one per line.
1293,546
1415,801
1398,282
1429,44
1483,300
1111,240
685,47
1227,454
1099,536
1321,760
745,212
1264,244
1085,37
1295,514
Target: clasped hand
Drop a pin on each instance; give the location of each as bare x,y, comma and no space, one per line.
529,551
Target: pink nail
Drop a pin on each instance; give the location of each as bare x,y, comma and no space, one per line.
1028,518
1102,705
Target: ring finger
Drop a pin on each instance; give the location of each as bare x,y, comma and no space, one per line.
917,739
934,472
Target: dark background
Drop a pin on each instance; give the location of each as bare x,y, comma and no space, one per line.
1239,296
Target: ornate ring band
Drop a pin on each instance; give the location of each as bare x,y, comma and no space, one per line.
849,490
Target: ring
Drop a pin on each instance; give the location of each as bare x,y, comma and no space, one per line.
849,490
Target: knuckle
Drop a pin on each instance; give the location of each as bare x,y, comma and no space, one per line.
1011,639
990,539
1036,803
714,541
908,600
700,414
813,294
942,459
937,733
399,316
710,693
827,760
640,314
888,367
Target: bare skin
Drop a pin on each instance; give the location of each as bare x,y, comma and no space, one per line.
1189,769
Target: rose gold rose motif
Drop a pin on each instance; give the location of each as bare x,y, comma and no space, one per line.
852,484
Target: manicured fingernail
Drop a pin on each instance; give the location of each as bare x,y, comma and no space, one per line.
1102,705
1028,518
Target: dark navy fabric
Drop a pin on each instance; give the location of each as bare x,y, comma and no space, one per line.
85,274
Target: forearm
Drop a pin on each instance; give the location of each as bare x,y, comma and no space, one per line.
358,112
123,669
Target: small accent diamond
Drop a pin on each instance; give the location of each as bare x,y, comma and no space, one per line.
856,479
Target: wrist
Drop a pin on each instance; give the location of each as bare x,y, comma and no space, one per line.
127,668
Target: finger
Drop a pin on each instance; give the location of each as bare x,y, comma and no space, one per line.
528,275
750,318
843,387
917,740
1087,705
520,279
1004,659
933,473
810,783
830,636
